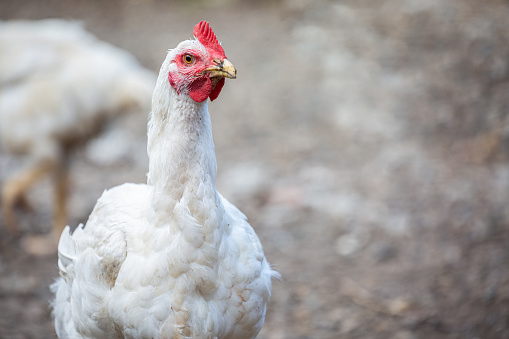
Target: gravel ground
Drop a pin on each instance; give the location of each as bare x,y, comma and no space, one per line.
367,143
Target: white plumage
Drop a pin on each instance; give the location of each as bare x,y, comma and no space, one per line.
59,84
172,258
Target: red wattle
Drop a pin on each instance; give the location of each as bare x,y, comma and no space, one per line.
215,92
200,89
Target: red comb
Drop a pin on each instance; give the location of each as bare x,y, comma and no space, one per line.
206,36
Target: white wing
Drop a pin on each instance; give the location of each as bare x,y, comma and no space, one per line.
89,261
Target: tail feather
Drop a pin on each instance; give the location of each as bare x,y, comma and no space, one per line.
67,252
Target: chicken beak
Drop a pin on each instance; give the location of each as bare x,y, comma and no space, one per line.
224,69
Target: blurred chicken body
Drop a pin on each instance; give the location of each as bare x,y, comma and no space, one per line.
172,258
58,85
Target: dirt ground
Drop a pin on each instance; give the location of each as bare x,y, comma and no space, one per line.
367,142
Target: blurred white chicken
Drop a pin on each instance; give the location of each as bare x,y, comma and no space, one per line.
58,86
172,258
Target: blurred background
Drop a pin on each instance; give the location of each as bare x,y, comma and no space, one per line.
367,142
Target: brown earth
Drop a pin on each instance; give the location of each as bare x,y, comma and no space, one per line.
367,142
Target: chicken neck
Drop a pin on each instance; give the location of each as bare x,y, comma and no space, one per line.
182,162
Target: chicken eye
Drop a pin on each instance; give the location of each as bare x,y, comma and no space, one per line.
189,59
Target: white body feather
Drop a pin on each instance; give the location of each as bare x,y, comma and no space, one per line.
170,259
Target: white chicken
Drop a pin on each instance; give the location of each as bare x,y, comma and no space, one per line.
172,258
58,85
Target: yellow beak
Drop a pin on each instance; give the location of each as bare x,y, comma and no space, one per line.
223,69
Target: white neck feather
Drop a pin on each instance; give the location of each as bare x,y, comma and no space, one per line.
182,162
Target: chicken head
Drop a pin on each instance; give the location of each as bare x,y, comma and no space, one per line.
200,66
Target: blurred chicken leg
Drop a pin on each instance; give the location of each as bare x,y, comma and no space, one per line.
13,191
